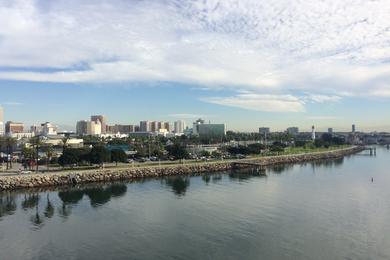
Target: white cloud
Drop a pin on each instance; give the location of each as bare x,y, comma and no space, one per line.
317,98
261,102
327,49
323,118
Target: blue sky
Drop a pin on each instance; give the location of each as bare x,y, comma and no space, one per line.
247,63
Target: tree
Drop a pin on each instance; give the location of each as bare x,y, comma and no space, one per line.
118,155
69,157
36,144
48,148
177,150
99,155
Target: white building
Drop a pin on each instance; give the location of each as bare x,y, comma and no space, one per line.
94,128
48,129
21,135
179,126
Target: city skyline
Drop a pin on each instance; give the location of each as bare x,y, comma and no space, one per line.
244,63
154,125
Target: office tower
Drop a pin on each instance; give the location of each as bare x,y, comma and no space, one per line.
144,126
103,122
179,126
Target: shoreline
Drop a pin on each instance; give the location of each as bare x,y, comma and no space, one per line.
109,175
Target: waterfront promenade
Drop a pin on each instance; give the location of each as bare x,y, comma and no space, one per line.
112,174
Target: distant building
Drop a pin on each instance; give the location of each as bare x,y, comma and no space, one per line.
123,129
94,128
330,130
1,121
195,126
103,122
167,126
48,128
21,135
13,127
211,130
264,131
137,128
82,127
179,126
292,130
154,126
36,130
353,128
144,126
313,133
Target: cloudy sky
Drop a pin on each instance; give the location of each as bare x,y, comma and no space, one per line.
248,63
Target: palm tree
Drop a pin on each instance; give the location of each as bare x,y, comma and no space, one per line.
36,143
48,148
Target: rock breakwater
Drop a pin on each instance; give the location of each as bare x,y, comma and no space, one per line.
109,175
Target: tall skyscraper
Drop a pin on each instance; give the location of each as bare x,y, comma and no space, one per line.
82,127
179,126
166,126
353,128
330,130
103,122
154,126
144,126
1,122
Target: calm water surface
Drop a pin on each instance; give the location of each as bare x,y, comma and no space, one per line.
328,210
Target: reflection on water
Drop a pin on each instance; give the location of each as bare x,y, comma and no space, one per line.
69,197
7,204
335,212
246,174
178,184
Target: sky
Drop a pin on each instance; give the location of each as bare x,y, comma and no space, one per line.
246,63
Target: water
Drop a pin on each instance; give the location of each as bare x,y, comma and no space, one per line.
328,210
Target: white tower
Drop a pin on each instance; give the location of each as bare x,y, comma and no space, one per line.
313,133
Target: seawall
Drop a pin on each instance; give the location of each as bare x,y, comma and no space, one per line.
108,175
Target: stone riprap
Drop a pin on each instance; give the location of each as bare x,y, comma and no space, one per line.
108,175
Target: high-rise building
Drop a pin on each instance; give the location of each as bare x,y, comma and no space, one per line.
154,126
167,126
330,130
292,130
94,127
313,133
103,122
196,124
122,129
13,127
144,126
82,127
179,126
1,121
353,128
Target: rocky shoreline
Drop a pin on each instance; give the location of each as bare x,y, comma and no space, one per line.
109,175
